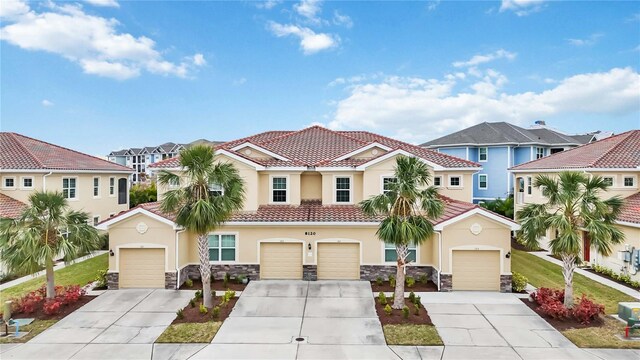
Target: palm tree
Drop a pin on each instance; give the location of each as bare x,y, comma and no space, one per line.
408,205
573,205
44,230
207,194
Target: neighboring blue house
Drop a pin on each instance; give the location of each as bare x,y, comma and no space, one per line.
499,146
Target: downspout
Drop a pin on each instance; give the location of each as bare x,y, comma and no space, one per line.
44,181
439,256
178,266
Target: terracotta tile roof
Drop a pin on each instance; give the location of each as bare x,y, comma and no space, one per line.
10,208
631,209
314,211
615,152
319,147
22,152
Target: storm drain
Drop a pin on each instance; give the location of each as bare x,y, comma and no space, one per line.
300,339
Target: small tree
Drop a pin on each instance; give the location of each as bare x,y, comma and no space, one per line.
44,230
500,206
408,205
207,195
573,205
142,193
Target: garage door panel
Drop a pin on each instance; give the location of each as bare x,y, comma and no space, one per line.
339,261
281,261
141,268
476,270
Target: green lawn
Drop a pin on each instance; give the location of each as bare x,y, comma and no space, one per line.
602,336
421,335
33,329
77,274
190,332
542,273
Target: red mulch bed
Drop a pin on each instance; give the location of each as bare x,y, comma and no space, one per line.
193,315
612,279
417,287
215,285
396,315
565,324
64,310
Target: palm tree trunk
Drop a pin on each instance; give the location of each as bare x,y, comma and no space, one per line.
398,296
568,268
51,287
205,270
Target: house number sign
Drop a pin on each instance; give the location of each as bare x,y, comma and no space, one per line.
310,233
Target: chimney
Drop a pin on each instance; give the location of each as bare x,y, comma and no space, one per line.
540,122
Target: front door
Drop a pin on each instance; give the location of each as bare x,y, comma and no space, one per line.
586,247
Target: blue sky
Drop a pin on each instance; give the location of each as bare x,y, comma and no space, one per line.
100,75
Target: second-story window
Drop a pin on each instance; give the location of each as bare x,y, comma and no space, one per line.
279,189
455,181
529,185
483,181
69,189
483,154
9,182
343,189
27,183
216,189
539,153
112,186
437,181
96,187
387,183
608,180
629,181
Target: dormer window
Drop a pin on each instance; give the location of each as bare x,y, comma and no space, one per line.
279,189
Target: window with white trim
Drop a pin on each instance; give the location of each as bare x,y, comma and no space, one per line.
483,154
9,182
387,182
539,153
483,181
27,182
343,189
112,186
529,185
629,181
69,189
608,180
437,181
390,254
455,181
96,187
173,182
216,189
279,188
222,247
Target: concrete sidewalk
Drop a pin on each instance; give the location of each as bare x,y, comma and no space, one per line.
544,255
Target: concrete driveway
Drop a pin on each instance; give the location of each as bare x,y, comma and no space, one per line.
334,319
119,324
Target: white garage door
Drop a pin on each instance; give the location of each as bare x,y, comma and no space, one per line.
338,261
476,270
281,261
142,268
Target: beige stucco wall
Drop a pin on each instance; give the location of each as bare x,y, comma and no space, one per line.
368,154
311,186
264,187
632,239
158,234
494,236
101,206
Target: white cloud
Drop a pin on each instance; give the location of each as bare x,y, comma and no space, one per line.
309,9
239,82
12,9
46,102
522,7
91,41
103,3
310,41
590,41
341,19
268,5
485,58
198,60
433,4
416,109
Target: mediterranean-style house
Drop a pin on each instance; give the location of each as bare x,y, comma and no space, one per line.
617,160
89,184
498,146
301,219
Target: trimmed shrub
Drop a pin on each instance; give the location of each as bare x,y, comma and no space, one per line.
387,309
518,282
51,306
416,309
379,281
405,312
101,278
412,297
422,279
225,281
382,299
416,301
586,310
392,281
215,312
189,283
180,314
410,281
203,309
192,303
198,294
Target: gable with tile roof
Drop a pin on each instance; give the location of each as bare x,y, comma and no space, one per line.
90,184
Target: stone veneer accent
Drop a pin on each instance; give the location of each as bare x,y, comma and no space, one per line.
505,283
309,272
446,282
371,272
252,271
170,280
113,281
